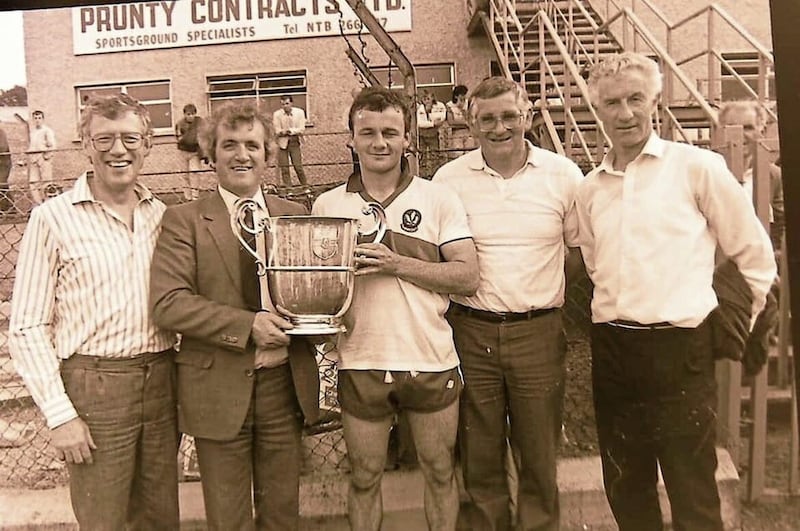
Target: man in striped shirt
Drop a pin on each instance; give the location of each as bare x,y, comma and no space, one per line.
82,339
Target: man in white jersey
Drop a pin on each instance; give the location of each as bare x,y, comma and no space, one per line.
650,219
509,334
398,353
82,338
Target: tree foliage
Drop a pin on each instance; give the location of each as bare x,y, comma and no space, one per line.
16,96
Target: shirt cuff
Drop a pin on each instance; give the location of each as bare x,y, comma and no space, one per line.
58,410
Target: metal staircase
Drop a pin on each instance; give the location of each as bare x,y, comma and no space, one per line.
549,46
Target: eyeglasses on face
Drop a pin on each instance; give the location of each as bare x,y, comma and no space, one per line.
487,122
105,142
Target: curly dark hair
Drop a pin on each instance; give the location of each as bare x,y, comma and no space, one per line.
230,115
378,99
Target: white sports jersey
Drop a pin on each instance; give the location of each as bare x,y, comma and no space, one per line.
393,324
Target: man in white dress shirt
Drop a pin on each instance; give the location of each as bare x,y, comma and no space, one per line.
650,218
289,123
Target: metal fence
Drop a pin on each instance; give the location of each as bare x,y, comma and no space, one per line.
26,458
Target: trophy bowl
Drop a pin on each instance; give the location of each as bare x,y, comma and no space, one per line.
309,264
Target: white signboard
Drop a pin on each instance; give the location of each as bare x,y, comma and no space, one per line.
150,25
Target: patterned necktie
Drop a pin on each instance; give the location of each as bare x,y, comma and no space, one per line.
251,290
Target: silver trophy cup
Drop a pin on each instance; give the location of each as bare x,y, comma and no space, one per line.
309,263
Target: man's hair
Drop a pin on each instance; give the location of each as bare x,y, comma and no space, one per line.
113,107
231,115
459,90
623,62
37,113
189,107
497,86
742,105
287,97
378,99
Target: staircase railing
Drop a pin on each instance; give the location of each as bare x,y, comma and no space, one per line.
715,20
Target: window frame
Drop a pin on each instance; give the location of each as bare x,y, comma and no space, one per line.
381,72
123,88
255,87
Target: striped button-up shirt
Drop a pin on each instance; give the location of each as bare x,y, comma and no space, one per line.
82,283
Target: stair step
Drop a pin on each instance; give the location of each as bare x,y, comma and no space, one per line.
774,394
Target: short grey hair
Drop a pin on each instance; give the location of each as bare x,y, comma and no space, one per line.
744,105
497,86
623,62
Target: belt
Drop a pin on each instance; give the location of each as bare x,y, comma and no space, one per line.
633,325
142,360
500,317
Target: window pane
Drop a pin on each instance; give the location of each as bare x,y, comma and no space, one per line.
434,74
160,115
270,104
85,94
234,85
218,102
149,92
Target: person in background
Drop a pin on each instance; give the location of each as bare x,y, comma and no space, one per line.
431,114
460,138
41,143
753,119
5,172
650,219
397,355
290,124
186,133
509,334
83,340
244,385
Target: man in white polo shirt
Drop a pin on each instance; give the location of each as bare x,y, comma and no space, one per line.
509,334
398,353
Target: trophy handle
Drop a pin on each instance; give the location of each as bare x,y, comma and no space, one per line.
380,221
239,223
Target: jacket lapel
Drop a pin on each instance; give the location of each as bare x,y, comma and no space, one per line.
219,226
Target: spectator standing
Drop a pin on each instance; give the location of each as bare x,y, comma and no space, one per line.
753,119
459,139
290,125
41,143
431,114
509,334
82,339
651,217
5,172
186,133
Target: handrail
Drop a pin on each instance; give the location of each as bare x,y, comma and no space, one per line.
676,71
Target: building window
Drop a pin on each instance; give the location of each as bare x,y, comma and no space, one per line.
155,95
264,89
438,79
746,65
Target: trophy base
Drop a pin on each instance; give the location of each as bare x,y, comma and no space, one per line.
314,329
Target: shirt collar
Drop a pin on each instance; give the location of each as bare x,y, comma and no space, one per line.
654,147
229,198
82,192
355,184
478,163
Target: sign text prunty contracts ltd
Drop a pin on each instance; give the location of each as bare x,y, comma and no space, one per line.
151,25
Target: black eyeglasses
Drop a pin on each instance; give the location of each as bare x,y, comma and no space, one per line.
508,119
103,143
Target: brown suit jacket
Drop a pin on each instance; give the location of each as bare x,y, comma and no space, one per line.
195,289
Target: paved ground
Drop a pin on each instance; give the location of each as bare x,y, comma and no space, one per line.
323,501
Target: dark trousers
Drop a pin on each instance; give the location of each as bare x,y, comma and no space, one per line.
293,152
261,465
513,372
129,406
655,400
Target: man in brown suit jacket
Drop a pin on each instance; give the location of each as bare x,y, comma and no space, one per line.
244,385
